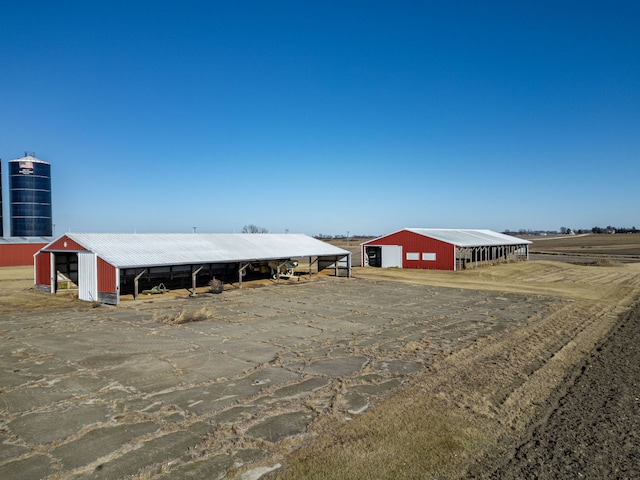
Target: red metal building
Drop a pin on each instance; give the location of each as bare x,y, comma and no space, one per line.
442,249
19,251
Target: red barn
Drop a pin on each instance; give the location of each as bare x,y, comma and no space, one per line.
442,249
19,251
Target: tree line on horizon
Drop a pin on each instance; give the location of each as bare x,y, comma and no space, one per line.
570,231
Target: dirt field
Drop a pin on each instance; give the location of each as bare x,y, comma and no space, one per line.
593,427
391,374
587,248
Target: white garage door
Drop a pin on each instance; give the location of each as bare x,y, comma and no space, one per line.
391,256
87,276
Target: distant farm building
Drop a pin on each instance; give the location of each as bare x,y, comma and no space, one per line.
442,249
19,251
105,266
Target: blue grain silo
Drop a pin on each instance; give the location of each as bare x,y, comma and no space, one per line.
30,190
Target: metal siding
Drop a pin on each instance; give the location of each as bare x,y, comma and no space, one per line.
414,242
87,277
65,243
106,277
391,239
18,254
43,268
420,244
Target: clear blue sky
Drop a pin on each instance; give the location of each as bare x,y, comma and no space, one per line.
326,117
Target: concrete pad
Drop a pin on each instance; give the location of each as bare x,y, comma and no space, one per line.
282,426
50,391
247,456
105,360
147,374
8,450
46,427
216,397
40,366
337,367
377,389
295,391
26,399
270,376
258,472
213,468
254,352
283,332
204,400
31,468
219,366
160,450
10,379
99,443
202,377
237,414
356,403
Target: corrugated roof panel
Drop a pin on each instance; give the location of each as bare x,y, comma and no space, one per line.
127,250
25,240
469,237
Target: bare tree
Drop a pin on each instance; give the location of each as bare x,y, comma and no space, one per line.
254,229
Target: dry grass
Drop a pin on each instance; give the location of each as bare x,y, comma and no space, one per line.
183,316
472,403
539,277
416,435
18,295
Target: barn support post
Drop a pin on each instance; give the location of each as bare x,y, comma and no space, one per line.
240,271
280,265
311,263
194,274
136,279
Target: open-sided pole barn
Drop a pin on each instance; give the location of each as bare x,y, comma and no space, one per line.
442,249
105,266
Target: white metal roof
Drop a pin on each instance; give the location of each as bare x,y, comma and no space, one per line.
469,237
130,250
25,240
